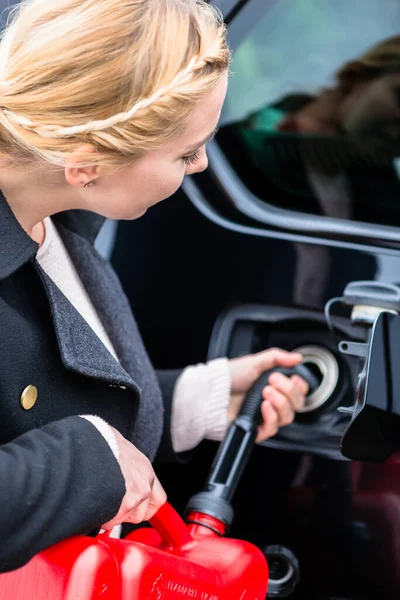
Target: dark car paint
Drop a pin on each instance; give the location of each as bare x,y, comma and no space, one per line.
180,271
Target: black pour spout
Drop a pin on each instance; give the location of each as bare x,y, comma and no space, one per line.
235,450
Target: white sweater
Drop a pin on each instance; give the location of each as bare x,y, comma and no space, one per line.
202,393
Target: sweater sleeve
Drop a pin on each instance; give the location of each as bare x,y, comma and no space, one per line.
55,482
196,404
106,431
200,404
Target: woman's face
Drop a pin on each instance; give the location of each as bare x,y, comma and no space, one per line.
155,176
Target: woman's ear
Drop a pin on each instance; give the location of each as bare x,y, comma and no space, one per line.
78,176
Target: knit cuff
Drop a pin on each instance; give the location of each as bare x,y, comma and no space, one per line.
220,382
105,429
200,404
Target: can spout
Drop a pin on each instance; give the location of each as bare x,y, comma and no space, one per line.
234,452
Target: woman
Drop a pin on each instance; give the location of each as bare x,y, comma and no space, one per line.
106,106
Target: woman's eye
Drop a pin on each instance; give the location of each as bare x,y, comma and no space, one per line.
192,158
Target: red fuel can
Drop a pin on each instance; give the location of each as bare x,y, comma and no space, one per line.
170,561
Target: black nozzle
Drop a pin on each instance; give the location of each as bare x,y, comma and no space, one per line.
211,505
235,450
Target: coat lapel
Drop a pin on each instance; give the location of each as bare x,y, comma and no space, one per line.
113,308
80,348
83,352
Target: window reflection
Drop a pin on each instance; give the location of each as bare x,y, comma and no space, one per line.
330,152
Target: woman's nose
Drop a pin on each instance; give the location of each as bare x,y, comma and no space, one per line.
202,164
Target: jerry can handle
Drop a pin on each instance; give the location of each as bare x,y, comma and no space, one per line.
170,526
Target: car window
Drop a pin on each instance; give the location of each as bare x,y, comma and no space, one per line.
312,117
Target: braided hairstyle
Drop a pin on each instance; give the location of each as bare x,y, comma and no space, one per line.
121,75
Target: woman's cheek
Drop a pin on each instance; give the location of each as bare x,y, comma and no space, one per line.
170,182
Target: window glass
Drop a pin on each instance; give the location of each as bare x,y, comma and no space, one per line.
312,117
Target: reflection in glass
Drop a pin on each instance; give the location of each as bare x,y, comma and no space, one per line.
331,150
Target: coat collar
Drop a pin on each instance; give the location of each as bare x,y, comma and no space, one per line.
17,248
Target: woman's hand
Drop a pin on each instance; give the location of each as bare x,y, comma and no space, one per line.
282,397
144,494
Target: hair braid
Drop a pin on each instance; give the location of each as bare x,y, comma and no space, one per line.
52,131
113,60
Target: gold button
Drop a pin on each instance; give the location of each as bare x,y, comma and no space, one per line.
29,397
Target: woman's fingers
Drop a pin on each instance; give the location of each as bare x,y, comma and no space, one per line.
281,404
138,514
157,499
270,424
301,384
144,494
282,398
150,505
291,388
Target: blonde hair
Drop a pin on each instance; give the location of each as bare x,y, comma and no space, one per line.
122,75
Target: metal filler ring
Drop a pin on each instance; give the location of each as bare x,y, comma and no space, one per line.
327,365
